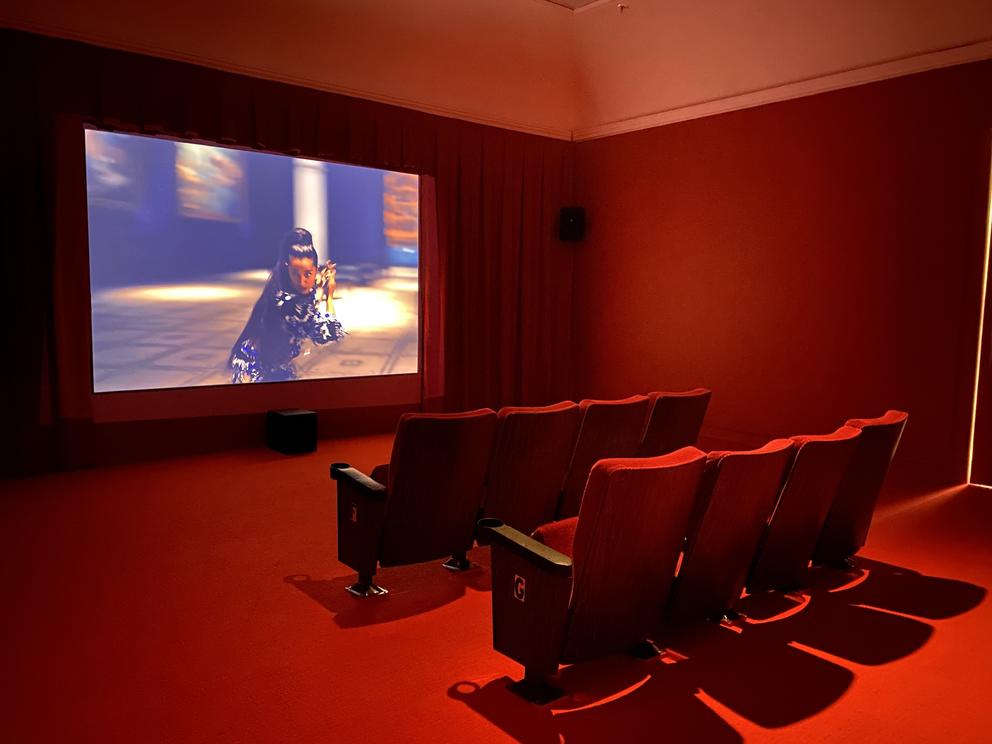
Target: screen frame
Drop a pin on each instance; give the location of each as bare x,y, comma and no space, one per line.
72,240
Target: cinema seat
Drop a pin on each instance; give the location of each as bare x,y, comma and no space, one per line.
604,588
428,505
674,421
531,454
735,500
846,528
809,490
610,428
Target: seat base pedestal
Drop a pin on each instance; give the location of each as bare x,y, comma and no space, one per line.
842,564
645,650
729,616
366,589
458,563
535,690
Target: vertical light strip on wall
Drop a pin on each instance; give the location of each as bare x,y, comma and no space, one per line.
981,327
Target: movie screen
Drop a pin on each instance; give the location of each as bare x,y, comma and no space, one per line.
215,266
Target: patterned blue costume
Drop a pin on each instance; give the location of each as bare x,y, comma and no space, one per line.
273,335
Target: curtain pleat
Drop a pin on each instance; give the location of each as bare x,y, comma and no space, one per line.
502,279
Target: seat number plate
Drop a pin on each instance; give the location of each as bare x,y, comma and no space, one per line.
519,587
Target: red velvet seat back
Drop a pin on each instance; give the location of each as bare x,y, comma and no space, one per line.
436,476
530,457
610,428
846,529
628,538
674,421
734,503
809,491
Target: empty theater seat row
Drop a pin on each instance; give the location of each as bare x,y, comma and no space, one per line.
526,466
610,579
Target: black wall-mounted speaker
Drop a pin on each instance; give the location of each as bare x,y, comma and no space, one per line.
572,223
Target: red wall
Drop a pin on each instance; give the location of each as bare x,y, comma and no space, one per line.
809,261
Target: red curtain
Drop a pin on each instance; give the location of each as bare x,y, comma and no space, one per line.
498,287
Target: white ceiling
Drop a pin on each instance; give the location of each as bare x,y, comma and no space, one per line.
668,60
536,65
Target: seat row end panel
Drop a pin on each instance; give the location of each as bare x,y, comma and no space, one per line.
531,586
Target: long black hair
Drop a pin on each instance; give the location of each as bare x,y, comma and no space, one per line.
298,243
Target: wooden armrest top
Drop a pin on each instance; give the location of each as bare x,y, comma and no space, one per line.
539,554
342,471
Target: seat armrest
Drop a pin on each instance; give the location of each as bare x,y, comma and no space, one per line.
357,481
361,515
542,556
532,584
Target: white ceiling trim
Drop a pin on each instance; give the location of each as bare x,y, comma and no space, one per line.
845,79
587,4
594,5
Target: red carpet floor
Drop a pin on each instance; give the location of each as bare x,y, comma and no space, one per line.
199,600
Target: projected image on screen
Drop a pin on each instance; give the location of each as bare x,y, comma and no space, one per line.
213,266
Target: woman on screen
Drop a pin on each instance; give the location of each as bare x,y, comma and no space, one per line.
289,311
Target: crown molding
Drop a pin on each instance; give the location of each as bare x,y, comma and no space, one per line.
582,9
258,72
796,89
593,6
845,79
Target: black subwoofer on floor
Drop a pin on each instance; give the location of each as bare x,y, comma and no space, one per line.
291,431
